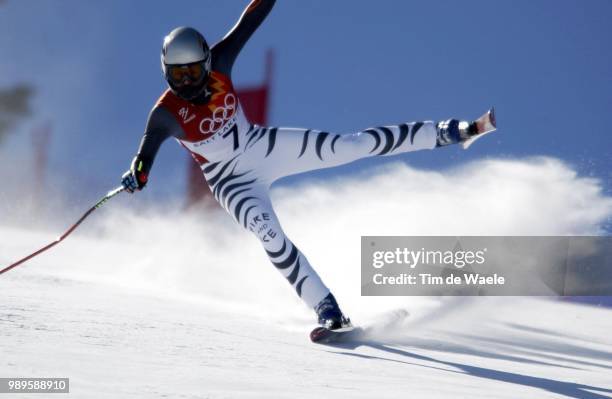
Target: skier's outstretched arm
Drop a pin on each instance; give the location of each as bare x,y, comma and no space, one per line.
226,51
160,125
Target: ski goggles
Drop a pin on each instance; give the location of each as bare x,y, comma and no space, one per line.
185,74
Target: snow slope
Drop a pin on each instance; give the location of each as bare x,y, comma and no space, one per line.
192,309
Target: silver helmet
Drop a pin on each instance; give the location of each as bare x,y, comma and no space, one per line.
186,62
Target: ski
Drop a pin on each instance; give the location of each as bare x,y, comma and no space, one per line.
388,322
322,335
484,125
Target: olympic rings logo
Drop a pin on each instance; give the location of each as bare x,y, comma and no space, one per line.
220,116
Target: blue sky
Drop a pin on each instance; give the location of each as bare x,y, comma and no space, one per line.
546,65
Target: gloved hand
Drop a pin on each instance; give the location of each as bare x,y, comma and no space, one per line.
136,178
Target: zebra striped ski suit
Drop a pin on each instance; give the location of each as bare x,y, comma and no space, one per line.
241,160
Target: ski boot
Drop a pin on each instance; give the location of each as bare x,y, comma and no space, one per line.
454,131
330,315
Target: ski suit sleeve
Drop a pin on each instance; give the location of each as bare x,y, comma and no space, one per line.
226,51
160,126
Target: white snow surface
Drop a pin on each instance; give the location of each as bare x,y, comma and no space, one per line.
161,303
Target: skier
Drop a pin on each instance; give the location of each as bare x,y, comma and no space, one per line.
240,160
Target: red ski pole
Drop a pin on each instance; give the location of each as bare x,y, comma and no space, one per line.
108,196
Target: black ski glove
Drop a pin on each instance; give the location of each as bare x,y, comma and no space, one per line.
136,178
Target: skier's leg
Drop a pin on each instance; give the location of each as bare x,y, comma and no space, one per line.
278,152
247,200
262,221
